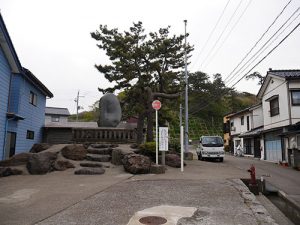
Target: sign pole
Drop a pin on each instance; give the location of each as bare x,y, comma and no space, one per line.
156,135
156,104
181,144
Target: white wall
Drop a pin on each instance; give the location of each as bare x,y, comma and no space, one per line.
278,87
257,115
295,110
239,129
62,119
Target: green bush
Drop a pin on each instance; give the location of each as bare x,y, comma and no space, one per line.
148,149
174,144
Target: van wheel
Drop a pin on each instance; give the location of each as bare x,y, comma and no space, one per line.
200,157
221,159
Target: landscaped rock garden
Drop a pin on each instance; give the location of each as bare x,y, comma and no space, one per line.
87,159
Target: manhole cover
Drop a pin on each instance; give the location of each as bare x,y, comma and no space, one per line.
153,220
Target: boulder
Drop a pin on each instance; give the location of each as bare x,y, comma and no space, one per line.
89,171
157,169
110,111
36,148
74,152
41,163
7,171
98,158
62,165
173,160
16,160
136,164
118,155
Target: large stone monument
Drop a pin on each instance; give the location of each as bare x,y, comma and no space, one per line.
110,111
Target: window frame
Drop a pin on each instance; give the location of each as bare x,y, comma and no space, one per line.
242,120
33,98
30,134
55,119
292,100
274,111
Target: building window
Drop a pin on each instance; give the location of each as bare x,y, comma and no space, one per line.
295,97
54,118
242,120
274,107
248,123
33,98
30,134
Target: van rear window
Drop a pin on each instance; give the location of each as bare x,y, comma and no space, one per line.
212,142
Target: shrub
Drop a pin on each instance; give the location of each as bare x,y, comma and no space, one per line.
148,149
174,145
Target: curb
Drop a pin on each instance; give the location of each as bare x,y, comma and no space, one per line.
259,211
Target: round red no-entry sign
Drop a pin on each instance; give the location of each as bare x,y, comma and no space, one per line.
156,104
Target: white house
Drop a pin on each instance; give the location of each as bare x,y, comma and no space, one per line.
245,127
56,115
280,98
274,133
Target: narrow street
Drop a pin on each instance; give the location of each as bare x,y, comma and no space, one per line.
285,179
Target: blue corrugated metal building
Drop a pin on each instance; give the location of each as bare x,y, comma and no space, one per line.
22,101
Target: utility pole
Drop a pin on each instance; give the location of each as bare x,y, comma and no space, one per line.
77,104
186,133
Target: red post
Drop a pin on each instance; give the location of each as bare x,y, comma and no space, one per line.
252,174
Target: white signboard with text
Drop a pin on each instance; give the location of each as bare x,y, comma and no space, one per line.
163,139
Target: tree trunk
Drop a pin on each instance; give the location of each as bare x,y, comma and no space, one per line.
140,128
149,115
150,97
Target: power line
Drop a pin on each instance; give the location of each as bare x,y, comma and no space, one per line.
220,93
220,36
211,33
228,34
263,48
261,37
267,54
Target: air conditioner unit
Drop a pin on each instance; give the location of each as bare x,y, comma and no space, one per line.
232,129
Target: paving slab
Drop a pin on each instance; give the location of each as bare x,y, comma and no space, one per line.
210,192
214,201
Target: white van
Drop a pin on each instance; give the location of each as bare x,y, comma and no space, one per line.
211,147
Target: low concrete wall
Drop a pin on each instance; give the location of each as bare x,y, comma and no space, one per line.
64,135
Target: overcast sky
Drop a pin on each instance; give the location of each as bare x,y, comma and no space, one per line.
52,38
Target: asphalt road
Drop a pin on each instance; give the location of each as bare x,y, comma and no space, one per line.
284,179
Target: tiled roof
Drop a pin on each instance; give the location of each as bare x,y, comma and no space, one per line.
57,111
285,73
37,82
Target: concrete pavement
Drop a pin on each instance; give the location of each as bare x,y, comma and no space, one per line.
118,198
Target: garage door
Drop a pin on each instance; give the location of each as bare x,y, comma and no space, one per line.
273,147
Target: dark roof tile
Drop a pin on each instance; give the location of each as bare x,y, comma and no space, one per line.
285,73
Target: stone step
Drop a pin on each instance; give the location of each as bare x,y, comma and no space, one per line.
89,171
104,145
91,164
98,158
102,151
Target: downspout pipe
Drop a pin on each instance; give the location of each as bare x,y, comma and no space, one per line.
7,119
289,101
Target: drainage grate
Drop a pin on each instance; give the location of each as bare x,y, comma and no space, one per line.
153,220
